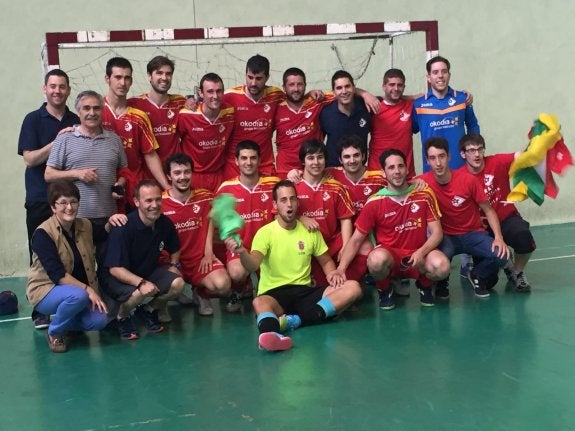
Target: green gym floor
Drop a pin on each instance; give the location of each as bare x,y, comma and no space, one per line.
503,363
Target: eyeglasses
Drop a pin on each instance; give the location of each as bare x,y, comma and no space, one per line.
73,204
479,150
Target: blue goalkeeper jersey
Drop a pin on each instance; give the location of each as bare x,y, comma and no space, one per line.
448,118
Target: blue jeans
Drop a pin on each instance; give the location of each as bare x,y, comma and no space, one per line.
477,244
72,310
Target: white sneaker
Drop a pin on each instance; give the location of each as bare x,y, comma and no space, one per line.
204,305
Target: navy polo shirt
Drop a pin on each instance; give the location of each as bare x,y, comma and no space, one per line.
39,128
137,247
335,125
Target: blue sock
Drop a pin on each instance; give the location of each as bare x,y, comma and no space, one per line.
327,306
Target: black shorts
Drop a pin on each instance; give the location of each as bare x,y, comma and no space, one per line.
295,298
516,234
121,292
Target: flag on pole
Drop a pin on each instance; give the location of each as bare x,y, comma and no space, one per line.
532,172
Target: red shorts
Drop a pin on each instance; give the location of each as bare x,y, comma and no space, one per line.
397,271
191,271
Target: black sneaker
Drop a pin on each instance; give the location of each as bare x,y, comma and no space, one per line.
442,289
150,318
41,321
386,301
479,286
521,283
510,273
127,329
425,295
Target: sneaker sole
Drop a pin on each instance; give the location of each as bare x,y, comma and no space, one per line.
271,342
482,295
41,326
427,304
387,307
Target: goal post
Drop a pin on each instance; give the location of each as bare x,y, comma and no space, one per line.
365,50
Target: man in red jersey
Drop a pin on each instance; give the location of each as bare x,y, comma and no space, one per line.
255,104
391,127
132,125
327,202
296,120
161,107
189,210
254,204
493,172
205,133
461,196
407,233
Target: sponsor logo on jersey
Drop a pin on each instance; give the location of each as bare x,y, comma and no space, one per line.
160,129
302,196
255,123
408,225
188,224
457,201
390,214
209,144
445,122
426,105
197,129
297,130
318,213
169,212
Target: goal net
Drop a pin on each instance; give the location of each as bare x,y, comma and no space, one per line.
365,50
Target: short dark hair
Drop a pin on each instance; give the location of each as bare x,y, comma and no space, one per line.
145,183
258,64
393,73
279,184
471,138
157,62
390,152
341,74
62,188
355,142
57,72
436,142
437,59
120,62
178,159
210,77
293,71
311,146
247,145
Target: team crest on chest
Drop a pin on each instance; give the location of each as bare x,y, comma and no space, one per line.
326,196
162,245
265,197
170,114
128,126
308,114
414,207
367,191
222,128
451,101
301,247
267,108
196,208
404,116
362,122
488,180
457,201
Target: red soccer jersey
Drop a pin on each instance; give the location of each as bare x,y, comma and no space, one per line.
359,192
391,128
254,121
327,203
191,222
255,205
399,222
495,179
206,142
295,127
164,120
135,130
459,201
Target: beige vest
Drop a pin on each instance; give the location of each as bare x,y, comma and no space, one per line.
39,284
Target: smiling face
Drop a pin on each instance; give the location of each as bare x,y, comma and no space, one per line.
248,163
393,90
149,203
395,172
438,77
351,159
65,209
314,165
211,93
180,176
56,91
90,112
161,79
344,91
